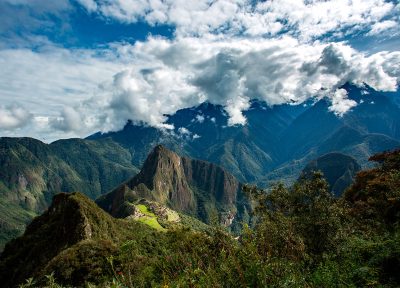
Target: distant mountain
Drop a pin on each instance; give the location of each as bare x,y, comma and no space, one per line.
197,188
32,172
277,142
370,127
338,169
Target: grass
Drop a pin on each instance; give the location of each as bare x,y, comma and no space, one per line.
143,208
150,218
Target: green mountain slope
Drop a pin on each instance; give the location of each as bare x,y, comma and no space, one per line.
302,237
32,172
72,225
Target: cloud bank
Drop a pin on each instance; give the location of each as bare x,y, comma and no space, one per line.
224,52
186,72
305,19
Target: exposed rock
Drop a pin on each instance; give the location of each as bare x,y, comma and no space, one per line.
194,187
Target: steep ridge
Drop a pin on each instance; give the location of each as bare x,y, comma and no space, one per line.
338,169
195,187
32,172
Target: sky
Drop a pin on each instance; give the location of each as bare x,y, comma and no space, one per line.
69,68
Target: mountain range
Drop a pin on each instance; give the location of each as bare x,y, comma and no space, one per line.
276,144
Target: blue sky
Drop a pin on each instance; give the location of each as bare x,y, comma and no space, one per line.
74,67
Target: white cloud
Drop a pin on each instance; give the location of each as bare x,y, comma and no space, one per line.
90,5
340,103
173,74
380,27
200,118
186,134
74,119
80,92
13,117
147,95
306,19
52,78
184,131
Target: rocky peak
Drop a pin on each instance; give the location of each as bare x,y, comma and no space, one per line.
162,173
195,187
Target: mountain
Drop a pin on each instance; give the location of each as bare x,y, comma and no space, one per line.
277,142
77,244
72,229
32,172
197,188
338,169
202,132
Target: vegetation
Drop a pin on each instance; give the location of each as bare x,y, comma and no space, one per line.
303,237
32,172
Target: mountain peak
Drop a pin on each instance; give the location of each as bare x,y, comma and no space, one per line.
70,219
186,185
161,149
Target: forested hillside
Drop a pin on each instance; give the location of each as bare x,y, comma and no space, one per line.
303,237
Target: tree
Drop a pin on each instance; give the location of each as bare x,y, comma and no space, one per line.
302,222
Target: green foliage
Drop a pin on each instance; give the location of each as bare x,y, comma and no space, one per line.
32,172
303,237
302,222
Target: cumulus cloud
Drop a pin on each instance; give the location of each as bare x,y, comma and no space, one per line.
52,78
340,103
175,74
81,92
13,117
70,120
306,19
226,52
148,95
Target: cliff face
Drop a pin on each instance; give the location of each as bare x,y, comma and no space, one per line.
212,178
195,187
163,174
